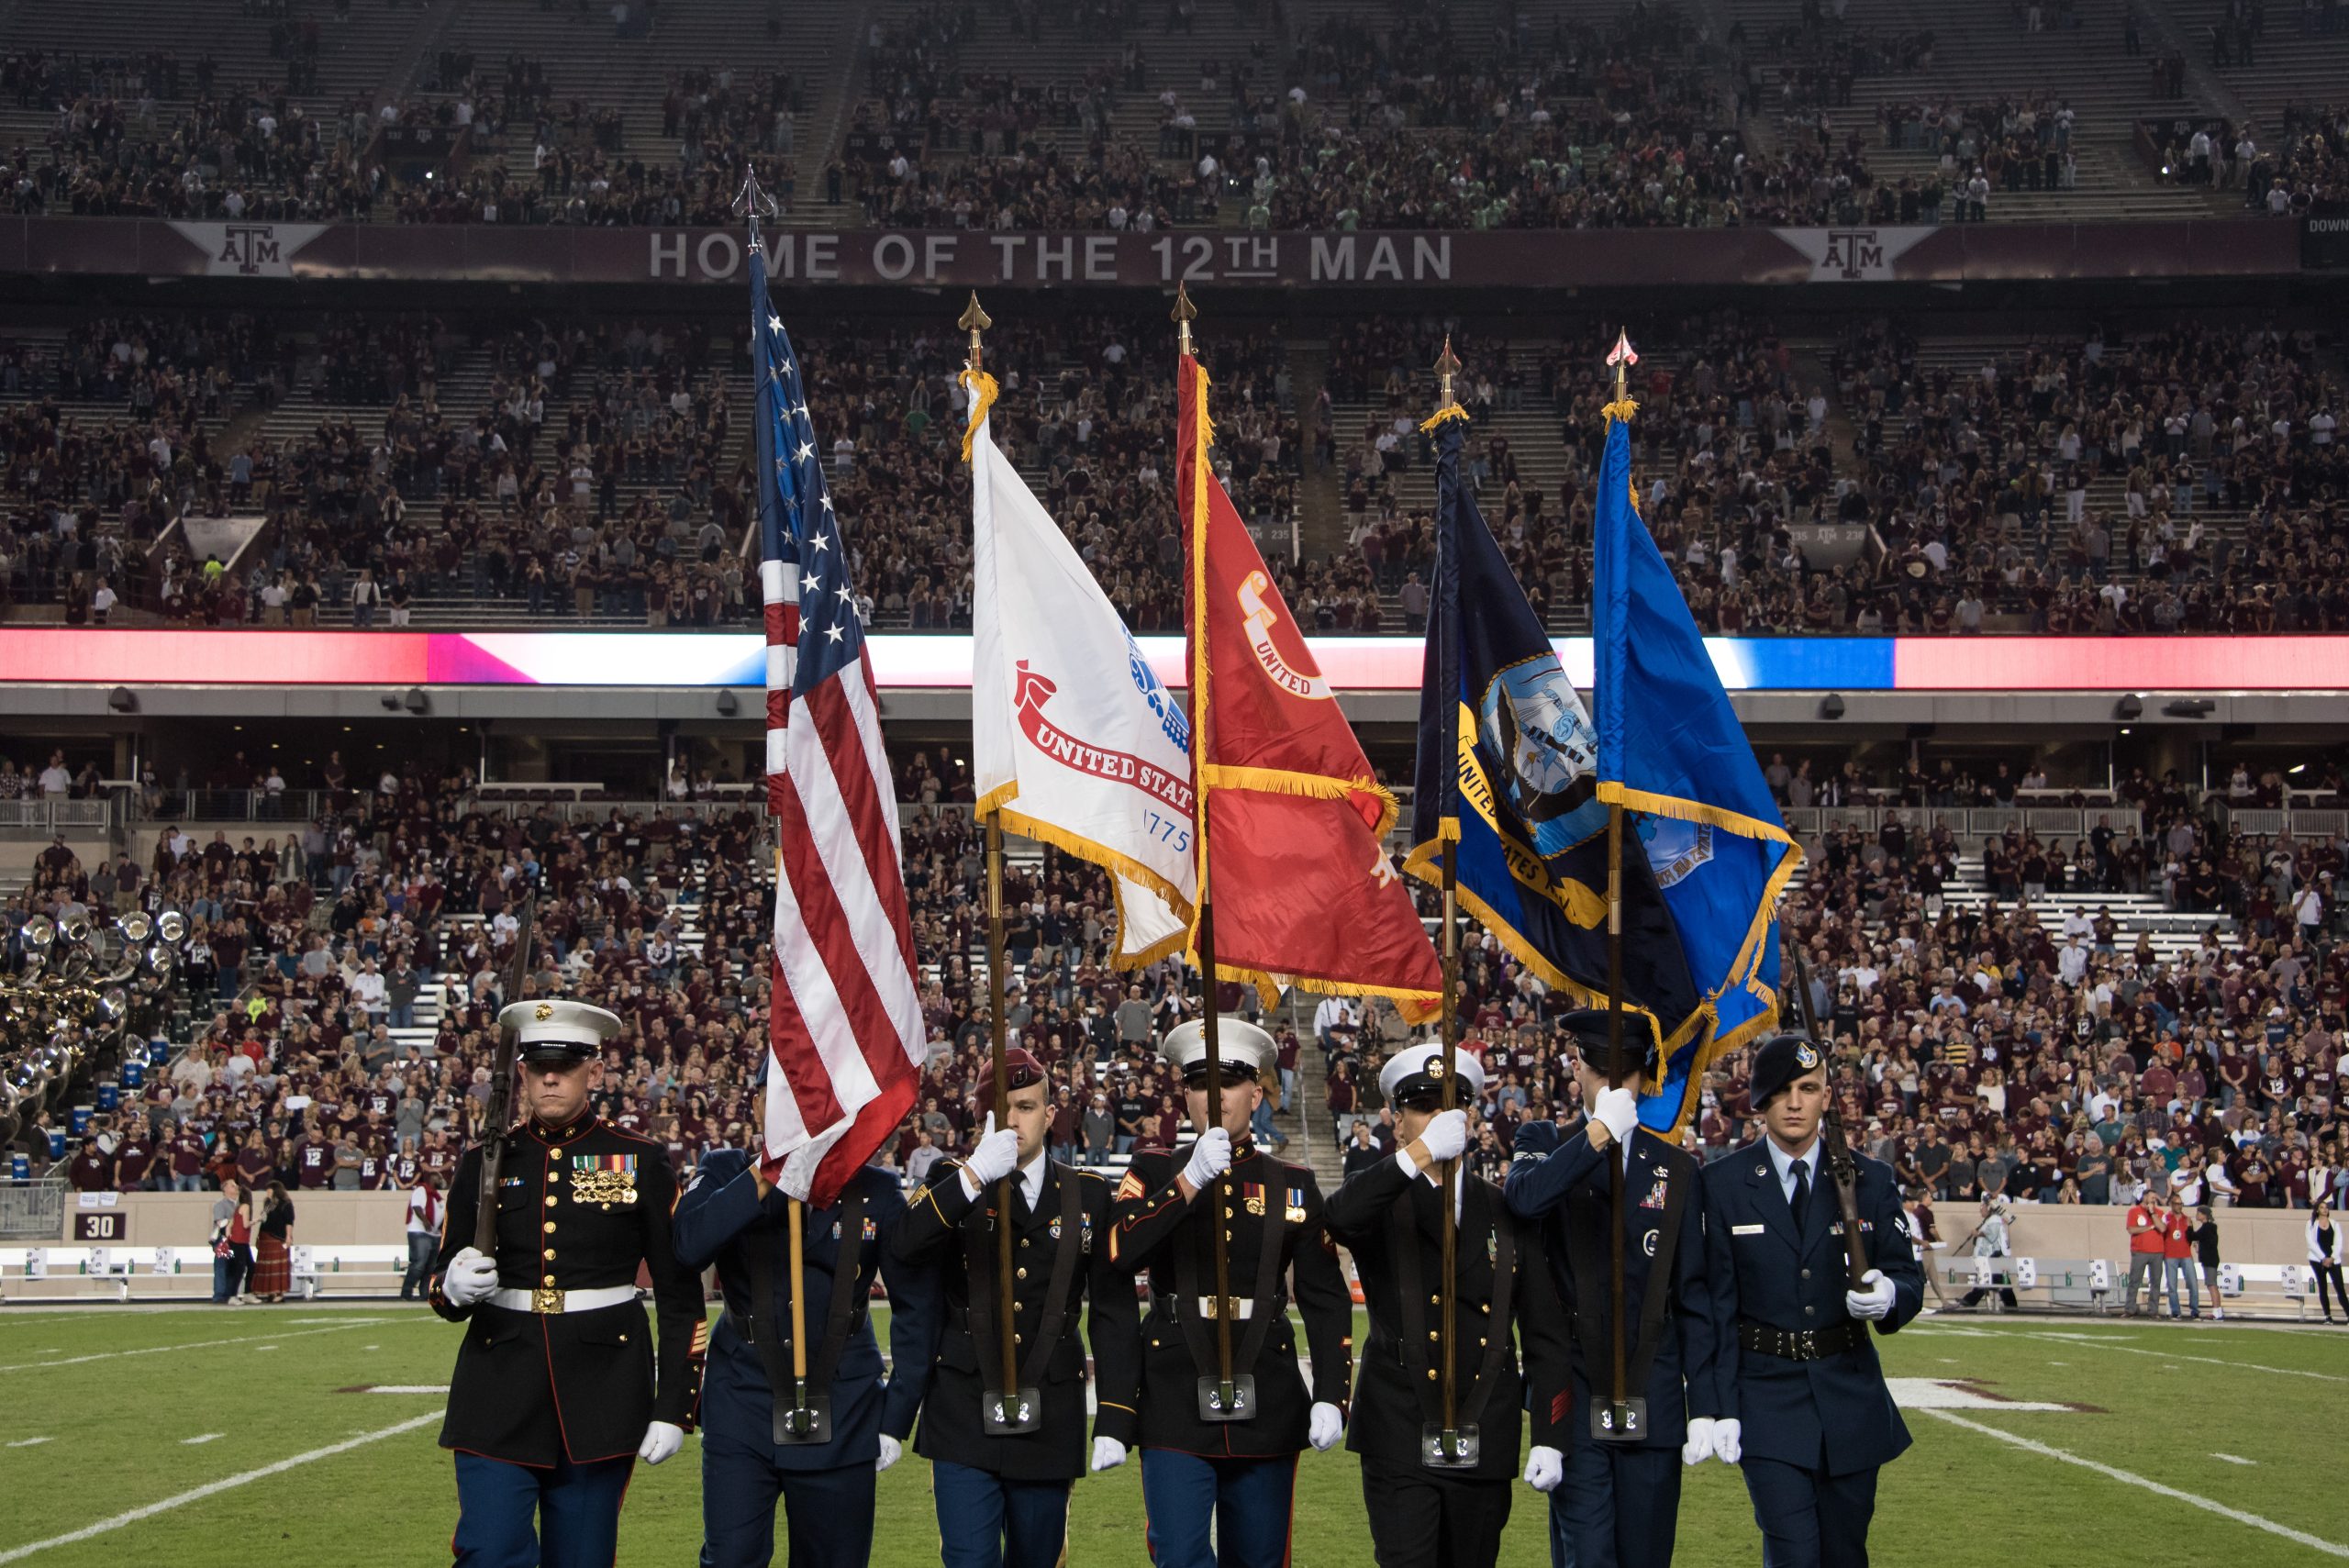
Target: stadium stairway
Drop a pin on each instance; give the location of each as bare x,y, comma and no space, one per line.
2288,65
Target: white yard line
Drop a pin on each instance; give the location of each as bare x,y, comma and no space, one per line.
271,1341
2300,1538
2175,1356
209,1488
406,1388
2234,1459
28,1442
201,1439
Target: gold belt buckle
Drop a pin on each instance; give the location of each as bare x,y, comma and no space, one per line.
546,1298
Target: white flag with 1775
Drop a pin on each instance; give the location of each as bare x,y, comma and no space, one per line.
1075,739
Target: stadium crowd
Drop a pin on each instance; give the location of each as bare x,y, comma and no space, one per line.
1986,1044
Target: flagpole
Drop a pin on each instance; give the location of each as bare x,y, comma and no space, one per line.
975,321
1183,315
1447,365
802,1420
1620,1177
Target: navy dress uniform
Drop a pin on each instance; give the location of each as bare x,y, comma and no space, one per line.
827,1487
1003,1498
1238,1476
1619,1503
557,1388
1797,1370
1388,1216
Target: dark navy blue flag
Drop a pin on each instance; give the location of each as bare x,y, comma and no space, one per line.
1507,767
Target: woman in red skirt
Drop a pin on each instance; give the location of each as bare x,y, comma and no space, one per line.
273,1266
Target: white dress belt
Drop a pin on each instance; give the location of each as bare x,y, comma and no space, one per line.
550,1301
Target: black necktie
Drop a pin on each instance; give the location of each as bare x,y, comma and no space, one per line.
1801,1203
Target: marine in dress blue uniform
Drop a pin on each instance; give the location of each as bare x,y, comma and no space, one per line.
1003,1496
1235,1477
1618,1505
557,1391
1813,1421
1389,1216
730,1215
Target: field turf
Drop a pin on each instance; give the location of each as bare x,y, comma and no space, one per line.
135,1436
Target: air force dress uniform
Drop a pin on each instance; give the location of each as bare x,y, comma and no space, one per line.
1388,1216
1797,1369
1619,1504
826,1485
1238,1475
1003,1500
557,1387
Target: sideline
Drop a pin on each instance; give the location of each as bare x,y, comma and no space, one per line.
2300,1538
226,1483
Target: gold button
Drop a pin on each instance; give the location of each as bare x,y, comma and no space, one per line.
623,1339
549,1252
1023,1273
550,1200
1435,1301
1480,1340
1430,1375
549,1279
1432,1334
1015,1339
550,1227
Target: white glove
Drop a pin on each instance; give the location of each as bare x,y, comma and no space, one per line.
471,1276
1545,1468
1210,1158
1699,1446
892,1451
1617,1110
1108,1453
1874,1301
1446,1137
1325,1425
661,1440
997,1156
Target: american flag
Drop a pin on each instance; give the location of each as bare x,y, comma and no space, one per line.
845,1025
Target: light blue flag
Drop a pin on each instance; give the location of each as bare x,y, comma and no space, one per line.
1672,752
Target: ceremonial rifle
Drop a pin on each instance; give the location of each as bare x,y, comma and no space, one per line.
501,1082
1841,1165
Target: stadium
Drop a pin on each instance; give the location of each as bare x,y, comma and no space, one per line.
463,464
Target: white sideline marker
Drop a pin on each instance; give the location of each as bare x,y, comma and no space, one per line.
2234,1459
202,1437
2302,1537
408,1388
28,1442
2105,1344
133,1515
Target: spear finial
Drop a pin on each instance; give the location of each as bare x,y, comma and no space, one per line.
975,321
1183,315
1447,365
1622,357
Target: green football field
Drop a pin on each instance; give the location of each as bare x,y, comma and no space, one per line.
226,1436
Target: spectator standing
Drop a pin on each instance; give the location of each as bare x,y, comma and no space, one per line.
273,1267
2206,1253
1925,1233
1100,1128
423,1236
2144,1254
232,1252
2177,1256
2324,1260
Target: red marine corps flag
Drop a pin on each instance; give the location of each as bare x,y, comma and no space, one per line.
1303,891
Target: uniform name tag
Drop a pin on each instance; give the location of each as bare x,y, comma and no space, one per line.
1745,1229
